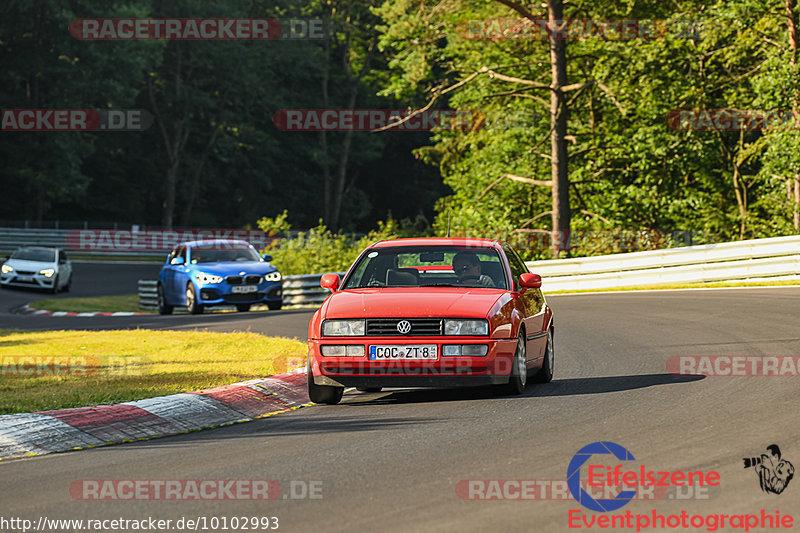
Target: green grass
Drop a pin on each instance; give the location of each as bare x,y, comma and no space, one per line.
711,285
125,302
105,367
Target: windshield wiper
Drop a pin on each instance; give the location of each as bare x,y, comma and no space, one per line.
440,285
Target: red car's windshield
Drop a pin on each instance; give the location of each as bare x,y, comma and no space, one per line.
429,266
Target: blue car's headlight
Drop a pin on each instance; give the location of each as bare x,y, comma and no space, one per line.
273,276
204,278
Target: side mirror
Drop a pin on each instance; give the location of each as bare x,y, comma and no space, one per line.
176,261
531,281
267,257
329,281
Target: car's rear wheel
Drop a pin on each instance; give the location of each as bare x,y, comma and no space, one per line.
163,308
242,308
191,300
545,374
323,393
274,306
519,374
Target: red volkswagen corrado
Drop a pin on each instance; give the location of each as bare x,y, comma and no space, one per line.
433,312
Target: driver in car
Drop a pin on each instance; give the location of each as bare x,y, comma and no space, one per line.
468,269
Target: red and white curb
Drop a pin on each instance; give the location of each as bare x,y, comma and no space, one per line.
41,433
28,310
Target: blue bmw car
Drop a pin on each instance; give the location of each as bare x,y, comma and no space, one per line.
198,274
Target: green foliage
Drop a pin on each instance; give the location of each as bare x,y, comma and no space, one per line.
320,250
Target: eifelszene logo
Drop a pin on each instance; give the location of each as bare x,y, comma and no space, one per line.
774,473
613,478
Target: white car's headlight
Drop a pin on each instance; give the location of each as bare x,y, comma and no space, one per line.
343,328
7,269
466,327
273,276
204,278
48,272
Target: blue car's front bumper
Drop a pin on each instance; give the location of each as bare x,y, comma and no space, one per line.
223,294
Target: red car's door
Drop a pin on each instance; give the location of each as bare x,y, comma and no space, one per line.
530,304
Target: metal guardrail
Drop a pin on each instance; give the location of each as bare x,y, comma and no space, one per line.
148,294
757,258
13,238
298,291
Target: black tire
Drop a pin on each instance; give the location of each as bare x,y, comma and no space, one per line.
54,290
68,286
545,374
191,300
163,308
274,306
519,375
326,394
369,389
243,308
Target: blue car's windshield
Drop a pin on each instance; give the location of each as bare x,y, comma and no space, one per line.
35,254
216,254
429,266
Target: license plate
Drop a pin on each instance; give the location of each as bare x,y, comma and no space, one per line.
244,288
405,351
25,278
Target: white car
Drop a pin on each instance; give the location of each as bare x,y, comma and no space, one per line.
39,268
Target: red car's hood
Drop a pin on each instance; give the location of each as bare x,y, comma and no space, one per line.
412,302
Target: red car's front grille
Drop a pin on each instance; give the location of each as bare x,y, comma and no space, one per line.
419,326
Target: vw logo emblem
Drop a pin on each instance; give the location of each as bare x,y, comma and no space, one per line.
404,326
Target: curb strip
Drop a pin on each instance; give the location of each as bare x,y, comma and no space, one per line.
45,432
28,310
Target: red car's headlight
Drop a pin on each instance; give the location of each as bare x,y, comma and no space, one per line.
342,350
466,350
343,328
466,327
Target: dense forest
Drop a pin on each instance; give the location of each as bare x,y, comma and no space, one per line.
596,117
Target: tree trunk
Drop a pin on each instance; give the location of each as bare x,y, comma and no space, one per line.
558,123
323,139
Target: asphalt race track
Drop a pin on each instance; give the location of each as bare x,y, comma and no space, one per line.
392,461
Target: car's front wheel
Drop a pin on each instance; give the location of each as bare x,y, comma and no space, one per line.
163,308
327,394
519,373
54,290
545,374
191,300
68,286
